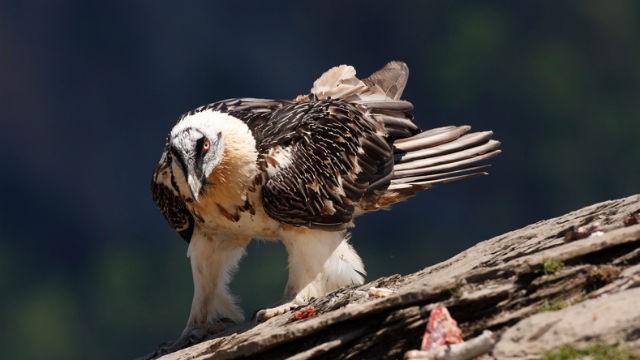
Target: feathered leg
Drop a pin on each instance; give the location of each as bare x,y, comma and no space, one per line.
319,262
213,262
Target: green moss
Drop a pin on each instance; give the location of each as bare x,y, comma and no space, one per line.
554,305
455,293
598,351
549,266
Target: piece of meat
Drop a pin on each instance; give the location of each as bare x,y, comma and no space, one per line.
441,329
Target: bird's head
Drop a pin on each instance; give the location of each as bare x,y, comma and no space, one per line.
197,148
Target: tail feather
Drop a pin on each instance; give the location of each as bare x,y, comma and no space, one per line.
433,157
431,137
441,152
437,175
446,166
422,185
420,159
445,158
462,143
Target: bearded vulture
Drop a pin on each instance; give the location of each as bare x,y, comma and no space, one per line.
299,171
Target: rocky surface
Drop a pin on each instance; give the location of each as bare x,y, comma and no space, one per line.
607,319
568,280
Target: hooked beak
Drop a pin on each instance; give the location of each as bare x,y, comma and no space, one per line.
189,171
194,184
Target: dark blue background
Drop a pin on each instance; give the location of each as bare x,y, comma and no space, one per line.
89,90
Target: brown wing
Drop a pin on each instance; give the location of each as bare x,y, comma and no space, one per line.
249,109
336,144
172,206
318,159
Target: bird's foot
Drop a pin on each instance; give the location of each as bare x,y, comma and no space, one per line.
266,314
192,335
195,334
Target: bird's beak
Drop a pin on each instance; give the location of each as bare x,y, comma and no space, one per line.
194,184
188,169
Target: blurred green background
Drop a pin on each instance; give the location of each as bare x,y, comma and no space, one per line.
89,90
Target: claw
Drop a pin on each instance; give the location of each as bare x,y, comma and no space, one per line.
192,335
263,315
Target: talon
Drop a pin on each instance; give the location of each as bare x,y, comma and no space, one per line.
226,322
258,316
195,334
263,315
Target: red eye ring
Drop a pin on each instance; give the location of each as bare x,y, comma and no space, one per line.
206,145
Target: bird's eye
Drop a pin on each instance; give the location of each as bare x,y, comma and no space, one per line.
206,144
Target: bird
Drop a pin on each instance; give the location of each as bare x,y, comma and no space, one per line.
300,171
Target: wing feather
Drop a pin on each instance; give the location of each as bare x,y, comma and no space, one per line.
336,153
171,205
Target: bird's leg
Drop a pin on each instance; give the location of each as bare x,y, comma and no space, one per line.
319,262
213,262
